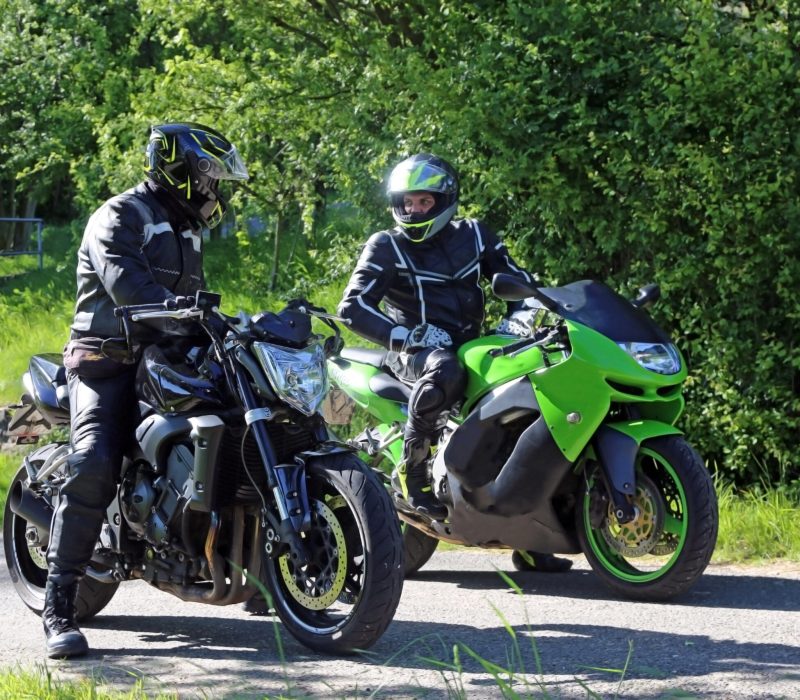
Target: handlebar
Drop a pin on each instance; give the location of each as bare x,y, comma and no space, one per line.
305,307
321,313
202,305
333,344
519,346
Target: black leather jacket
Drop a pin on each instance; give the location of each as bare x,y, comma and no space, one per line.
436,281
137,248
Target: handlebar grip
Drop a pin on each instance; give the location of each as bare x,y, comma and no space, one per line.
179,302
522,343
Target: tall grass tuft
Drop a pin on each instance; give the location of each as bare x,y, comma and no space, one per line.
521,675
757,524
39,683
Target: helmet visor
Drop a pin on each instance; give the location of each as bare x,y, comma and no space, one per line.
222,165
419,177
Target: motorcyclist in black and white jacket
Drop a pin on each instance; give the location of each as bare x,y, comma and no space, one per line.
139,247
416,291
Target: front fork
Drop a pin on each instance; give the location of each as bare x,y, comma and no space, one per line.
615,446
285,481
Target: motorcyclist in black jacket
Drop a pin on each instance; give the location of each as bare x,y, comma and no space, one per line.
416,291
141,246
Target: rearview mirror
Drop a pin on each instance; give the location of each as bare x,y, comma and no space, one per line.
511,288
649,294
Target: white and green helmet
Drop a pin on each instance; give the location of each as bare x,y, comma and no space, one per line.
423,173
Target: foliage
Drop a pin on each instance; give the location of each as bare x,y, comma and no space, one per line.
36,308
631,142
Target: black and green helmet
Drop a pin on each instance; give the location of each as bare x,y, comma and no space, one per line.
423,172
189,160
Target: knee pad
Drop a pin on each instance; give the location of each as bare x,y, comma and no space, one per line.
428,398
445,371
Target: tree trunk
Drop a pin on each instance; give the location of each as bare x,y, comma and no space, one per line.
276,249
23,229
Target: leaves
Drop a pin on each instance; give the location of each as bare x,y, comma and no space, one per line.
630,142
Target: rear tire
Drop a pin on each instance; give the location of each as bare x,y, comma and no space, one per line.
345,597
668,546
27,564
418,548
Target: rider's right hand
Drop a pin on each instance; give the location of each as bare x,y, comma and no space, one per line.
425,335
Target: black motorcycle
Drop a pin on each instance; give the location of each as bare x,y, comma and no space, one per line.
234,484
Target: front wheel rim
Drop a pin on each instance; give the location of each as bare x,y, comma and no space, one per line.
305,612
664,549
317,585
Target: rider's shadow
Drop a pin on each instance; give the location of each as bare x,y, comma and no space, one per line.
712,590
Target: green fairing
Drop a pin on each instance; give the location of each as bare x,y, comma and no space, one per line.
576,384
485,372
641,430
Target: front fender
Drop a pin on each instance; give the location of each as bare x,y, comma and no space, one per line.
616,446
641,430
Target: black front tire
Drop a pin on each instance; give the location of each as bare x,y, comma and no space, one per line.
345,597
27,564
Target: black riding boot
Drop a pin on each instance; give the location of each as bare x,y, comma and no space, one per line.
257,605
64,639
420,494
538,561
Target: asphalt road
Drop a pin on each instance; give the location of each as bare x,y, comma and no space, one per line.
735,635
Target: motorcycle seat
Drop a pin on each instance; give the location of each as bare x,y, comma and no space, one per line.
365,356
62,389
387,387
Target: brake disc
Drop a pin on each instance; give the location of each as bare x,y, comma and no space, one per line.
317,584
669,540
639,536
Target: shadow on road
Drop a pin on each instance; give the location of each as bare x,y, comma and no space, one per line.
712,590
563,649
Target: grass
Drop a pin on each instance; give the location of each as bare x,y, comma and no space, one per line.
40,684
757,524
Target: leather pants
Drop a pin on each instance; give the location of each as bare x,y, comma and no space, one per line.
102,424
438,382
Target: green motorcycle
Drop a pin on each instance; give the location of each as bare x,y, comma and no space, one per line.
564,442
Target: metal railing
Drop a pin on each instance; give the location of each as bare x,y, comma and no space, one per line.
39,251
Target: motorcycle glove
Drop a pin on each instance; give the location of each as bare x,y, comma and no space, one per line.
425,335
519,323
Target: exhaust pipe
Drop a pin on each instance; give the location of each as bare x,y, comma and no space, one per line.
37,511
27,505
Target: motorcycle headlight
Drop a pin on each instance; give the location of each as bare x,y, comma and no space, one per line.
297,376
657,357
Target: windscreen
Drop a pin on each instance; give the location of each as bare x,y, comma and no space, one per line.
594,305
